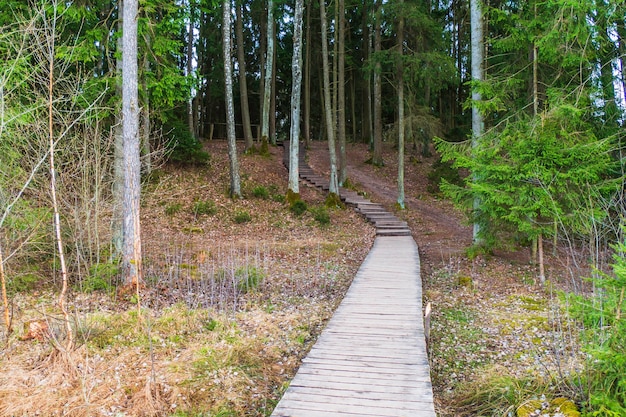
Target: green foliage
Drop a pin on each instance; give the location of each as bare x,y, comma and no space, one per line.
204,208
173,208
321,215
101,278
184,148
334,201
260,192
23,282
298,207
275,194
603,316
242,217
531,173
442,170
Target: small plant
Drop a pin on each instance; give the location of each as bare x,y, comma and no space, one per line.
242,217
173,208
248,278
298,207
260,192
204,208
101,278
320,214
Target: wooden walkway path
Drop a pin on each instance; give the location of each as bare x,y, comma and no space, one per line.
371,359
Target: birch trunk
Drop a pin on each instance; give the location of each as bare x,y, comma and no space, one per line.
477,47
296,76
401,112
269,64
235,187
307,79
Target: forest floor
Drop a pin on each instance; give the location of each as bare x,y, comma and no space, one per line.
238,290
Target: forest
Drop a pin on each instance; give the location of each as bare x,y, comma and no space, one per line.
146,218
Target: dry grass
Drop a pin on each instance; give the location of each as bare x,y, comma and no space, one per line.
202,344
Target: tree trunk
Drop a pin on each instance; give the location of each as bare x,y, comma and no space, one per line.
146,151
190,29
273,99
341,92
401,111
477,46
243,84
377,157
235,187
269,64
307,79
131,253
334,185
296,77
117,188
368,129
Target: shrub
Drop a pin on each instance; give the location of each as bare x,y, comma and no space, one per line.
204,207
298,207
442,170
101,278
242,217
320,214
184,148
173,208
260,192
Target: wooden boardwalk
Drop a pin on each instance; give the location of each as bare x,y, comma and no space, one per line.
371,359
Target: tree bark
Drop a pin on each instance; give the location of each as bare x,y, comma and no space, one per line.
477,47
307,79
269,64
117,188
377,157
235,187
341,92
131,253
243,84
296,77
401,111
190,37
330,132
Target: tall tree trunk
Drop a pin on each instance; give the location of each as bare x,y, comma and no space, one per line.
330,132
366,104
243,84
273,99
401,110
377,157
269,64
131,253
235,187
307,79
296,77
146,151
477,46
341,92
190,37
117,221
